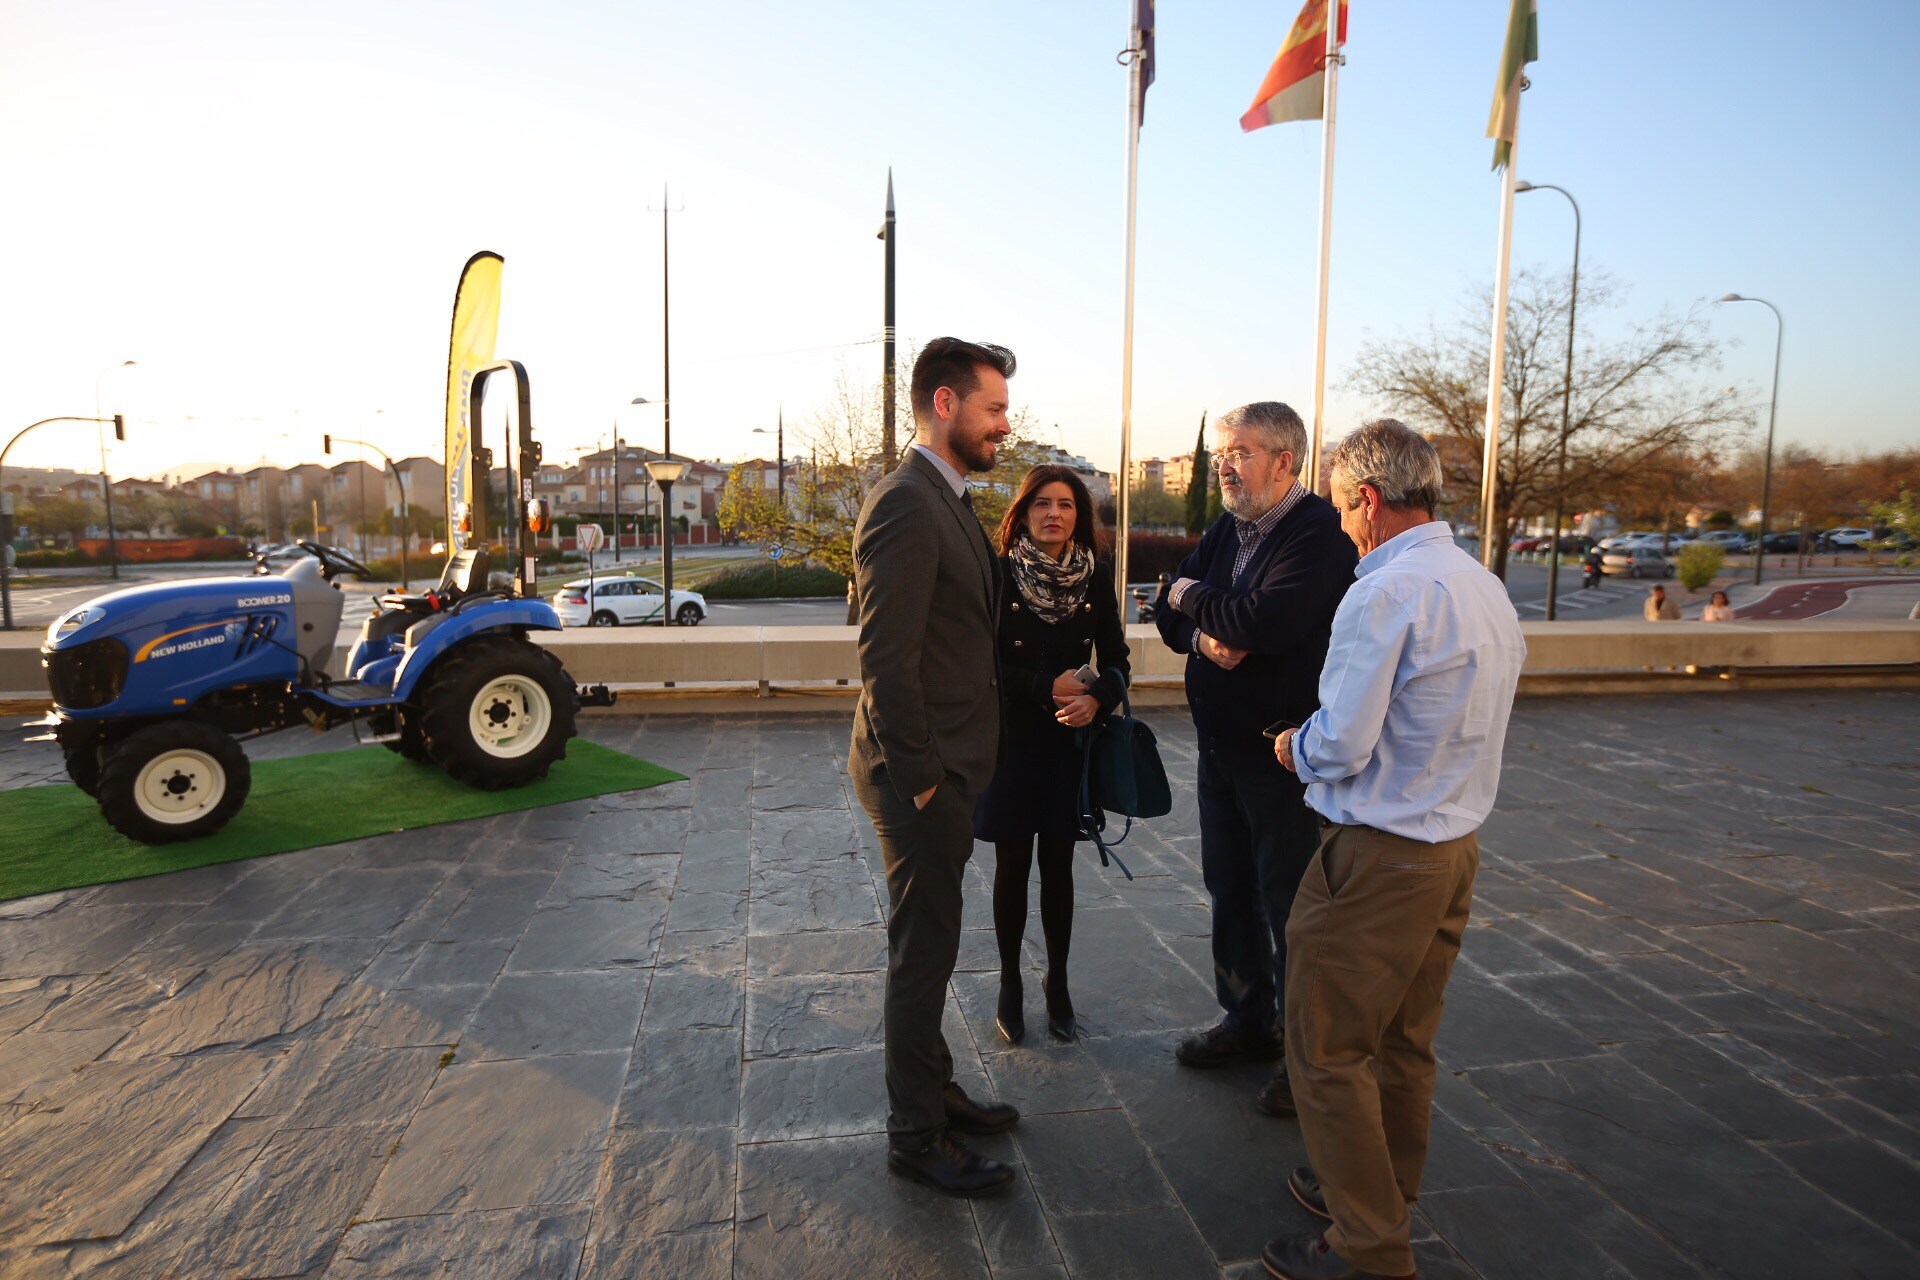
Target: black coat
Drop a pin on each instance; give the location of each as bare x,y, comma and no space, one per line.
1280,610
1036,788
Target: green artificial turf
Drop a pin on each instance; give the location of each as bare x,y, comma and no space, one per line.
54,837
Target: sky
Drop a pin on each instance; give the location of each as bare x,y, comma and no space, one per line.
267,207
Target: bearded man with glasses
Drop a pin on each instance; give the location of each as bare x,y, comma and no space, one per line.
1252,607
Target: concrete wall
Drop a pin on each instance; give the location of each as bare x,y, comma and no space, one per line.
1562,656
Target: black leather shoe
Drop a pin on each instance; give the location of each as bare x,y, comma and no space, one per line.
949,1167
1309,1258
1012,1023
968,1116
1276,1096
1305,1185
1222,1046
1060,1022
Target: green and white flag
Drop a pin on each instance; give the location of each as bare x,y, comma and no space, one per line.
1522,47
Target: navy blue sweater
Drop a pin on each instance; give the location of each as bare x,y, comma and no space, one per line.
1280,611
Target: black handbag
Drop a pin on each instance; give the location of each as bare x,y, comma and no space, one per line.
1121,773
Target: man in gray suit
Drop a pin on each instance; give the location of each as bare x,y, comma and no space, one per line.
925,736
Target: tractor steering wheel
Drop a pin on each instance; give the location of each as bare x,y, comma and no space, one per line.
334,562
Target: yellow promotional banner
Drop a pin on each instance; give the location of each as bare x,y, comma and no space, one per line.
476,319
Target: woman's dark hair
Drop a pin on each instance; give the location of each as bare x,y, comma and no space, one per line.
1085,519
956,363
1719,597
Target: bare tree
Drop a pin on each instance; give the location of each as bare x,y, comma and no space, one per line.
827,487
1638,402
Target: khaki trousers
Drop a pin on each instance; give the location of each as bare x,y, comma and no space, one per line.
1371,941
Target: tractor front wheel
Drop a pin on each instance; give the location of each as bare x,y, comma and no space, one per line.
176,780
498,713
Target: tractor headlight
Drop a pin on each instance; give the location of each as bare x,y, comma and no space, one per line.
71,622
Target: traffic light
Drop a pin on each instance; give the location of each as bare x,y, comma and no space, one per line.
119,426
326,445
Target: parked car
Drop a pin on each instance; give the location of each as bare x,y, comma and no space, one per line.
1845,539
1636,562
1729,540
624,599
1526,544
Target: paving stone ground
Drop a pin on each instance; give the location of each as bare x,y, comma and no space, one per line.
638,1036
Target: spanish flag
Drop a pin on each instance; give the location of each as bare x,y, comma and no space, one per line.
1296,81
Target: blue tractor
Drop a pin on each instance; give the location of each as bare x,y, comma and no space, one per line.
153,685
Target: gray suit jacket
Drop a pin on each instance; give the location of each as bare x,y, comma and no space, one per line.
929,708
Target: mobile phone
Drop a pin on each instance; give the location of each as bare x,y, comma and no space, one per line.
1277,728
1087,676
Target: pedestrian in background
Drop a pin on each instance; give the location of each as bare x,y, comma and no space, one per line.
1252,607
1059,615
1401,762
1659,608
1717,610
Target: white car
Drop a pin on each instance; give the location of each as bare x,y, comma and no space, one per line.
1847,538
618,600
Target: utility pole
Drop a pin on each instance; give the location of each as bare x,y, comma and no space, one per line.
616,495
889,447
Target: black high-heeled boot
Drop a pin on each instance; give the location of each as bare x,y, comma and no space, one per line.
1060,1022
1011,1019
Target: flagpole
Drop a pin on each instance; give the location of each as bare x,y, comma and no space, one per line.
1122,507
1310,471
1497,357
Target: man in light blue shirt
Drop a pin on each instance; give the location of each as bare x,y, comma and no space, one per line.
1401,762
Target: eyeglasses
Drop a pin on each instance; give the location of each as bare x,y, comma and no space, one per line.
1235,458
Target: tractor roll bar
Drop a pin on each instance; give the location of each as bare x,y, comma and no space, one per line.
520,477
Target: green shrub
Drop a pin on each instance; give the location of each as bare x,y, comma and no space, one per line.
50,559
1698,564
760,581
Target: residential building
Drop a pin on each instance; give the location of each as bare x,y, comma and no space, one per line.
426,485
1148,473
356,493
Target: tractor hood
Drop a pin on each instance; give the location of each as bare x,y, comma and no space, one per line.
159,607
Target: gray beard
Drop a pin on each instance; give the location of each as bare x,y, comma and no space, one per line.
1242,505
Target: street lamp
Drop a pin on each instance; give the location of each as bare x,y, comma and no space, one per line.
664,472
399,478
6,507
666,447
1566,400
1766,472
106,489
779,434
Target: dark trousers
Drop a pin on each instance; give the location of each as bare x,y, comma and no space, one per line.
925,852
1256,838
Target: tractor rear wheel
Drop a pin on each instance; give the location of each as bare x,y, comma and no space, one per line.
498,713
412,742
175,780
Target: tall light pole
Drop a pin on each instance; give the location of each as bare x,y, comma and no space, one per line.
1766,470
889,232
106,489
617,442
666,453
1566,400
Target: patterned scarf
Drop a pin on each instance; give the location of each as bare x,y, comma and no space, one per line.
1054,588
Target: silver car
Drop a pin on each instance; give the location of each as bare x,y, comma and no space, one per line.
1636,562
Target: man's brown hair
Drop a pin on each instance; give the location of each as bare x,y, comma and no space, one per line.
954,362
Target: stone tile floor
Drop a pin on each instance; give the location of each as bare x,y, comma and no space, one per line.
636,1036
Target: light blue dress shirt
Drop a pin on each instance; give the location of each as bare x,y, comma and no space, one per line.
1415,695
945,468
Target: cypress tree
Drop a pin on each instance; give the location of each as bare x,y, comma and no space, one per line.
1198,483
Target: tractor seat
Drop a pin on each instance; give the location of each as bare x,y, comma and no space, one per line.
465,575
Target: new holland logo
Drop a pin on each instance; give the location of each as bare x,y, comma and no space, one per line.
169,644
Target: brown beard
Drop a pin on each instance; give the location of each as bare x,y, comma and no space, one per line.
973,453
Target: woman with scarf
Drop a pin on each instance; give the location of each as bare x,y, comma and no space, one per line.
1058,613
